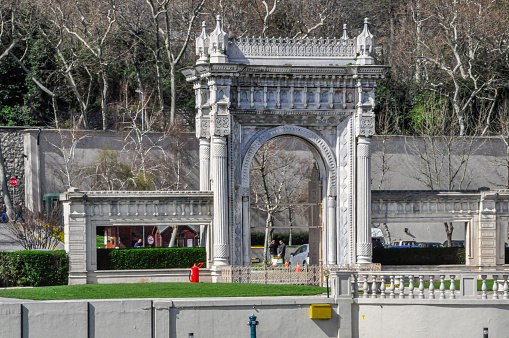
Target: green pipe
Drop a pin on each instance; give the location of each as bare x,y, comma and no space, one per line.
253,322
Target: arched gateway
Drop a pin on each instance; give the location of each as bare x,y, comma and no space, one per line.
250,90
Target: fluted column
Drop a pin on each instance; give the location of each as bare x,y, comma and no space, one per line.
219,161
363,200
204,164
331,223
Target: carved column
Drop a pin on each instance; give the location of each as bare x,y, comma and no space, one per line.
220,128
365,128
331,222
203,134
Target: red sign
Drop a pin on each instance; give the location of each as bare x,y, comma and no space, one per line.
13,181
150,240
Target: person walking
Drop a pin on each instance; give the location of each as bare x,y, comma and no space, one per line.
19,211
3,210
281,250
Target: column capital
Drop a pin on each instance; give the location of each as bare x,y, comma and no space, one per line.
365,125
203,126
220,125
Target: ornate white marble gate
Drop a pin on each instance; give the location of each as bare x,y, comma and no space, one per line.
249,90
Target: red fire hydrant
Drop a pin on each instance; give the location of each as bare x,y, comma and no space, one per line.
194,275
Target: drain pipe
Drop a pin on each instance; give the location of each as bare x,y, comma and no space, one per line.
253,322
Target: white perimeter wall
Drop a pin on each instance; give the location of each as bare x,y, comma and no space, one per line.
278,317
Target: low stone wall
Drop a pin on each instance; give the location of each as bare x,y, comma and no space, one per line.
201,317
228,317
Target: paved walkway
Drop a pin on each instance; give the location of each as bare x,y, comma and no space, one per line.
7,241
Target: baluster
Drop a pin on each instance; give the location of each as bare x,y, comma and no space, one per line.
392,288
506,287
401,286
374,288
365,287
382,287
411,286
452,288
495,287
355,286
442,286
421,286
484,287
431,287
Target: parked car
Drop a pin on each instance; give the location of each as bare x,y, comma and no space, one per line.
455,243
430,245
404,244
300,255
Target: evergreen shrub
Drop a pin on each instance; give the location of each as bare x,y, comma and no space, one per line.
149,258
34,268
419,256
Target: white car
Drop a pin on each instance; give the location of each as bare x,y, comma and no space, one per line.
301,255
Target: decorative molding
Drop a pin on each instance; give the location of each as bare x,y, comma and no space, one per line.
220,125
314,139
366,125
202,126
292,47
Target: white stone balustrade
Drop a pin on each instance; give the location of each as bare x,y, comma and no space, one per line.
421,285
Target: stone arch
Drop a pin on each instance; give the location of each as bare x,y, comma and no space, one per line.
310,137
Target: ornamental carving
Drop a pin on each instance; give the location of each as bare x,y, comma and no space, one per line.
366,126
308,135
220,125
281,47
202,127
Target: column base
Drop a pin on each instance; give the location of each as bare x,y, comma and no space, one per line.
215,272
364,260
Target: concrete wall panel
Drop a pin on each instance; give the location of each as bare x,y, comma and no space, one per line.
120,318
53,319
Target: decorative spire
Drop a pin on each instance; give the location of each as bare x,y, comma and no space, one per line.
365,42
218,43
202,45
345,33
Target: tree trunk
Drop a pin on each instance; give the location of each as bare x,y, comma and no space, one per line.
5,190
449,228
103,99
173,236
173,91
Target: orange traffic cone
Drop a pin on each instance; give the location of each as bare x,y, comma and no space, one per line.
286,263
298,267
272,265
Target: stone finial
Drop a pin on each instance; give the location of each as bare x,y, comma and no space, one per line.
202,45
345,33
365,44
218,43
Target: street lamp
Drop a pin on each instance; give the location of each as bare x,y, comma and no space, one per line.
142,108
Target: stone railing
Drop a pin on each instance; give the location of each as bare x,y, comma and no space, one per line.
422,285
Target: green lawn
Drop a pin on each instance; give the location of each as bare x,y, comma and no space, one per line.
159,290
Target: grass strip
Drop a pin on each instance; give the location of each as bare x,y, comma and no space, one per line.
159,290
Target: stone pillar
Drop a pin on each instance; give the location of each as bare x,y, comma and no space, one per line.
363,200
332,227
204,164
246,240
220,128
203,134
76,233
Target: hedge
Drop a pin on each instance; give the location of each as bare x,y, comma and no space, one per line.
419,256
149,258
34,268
298,238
